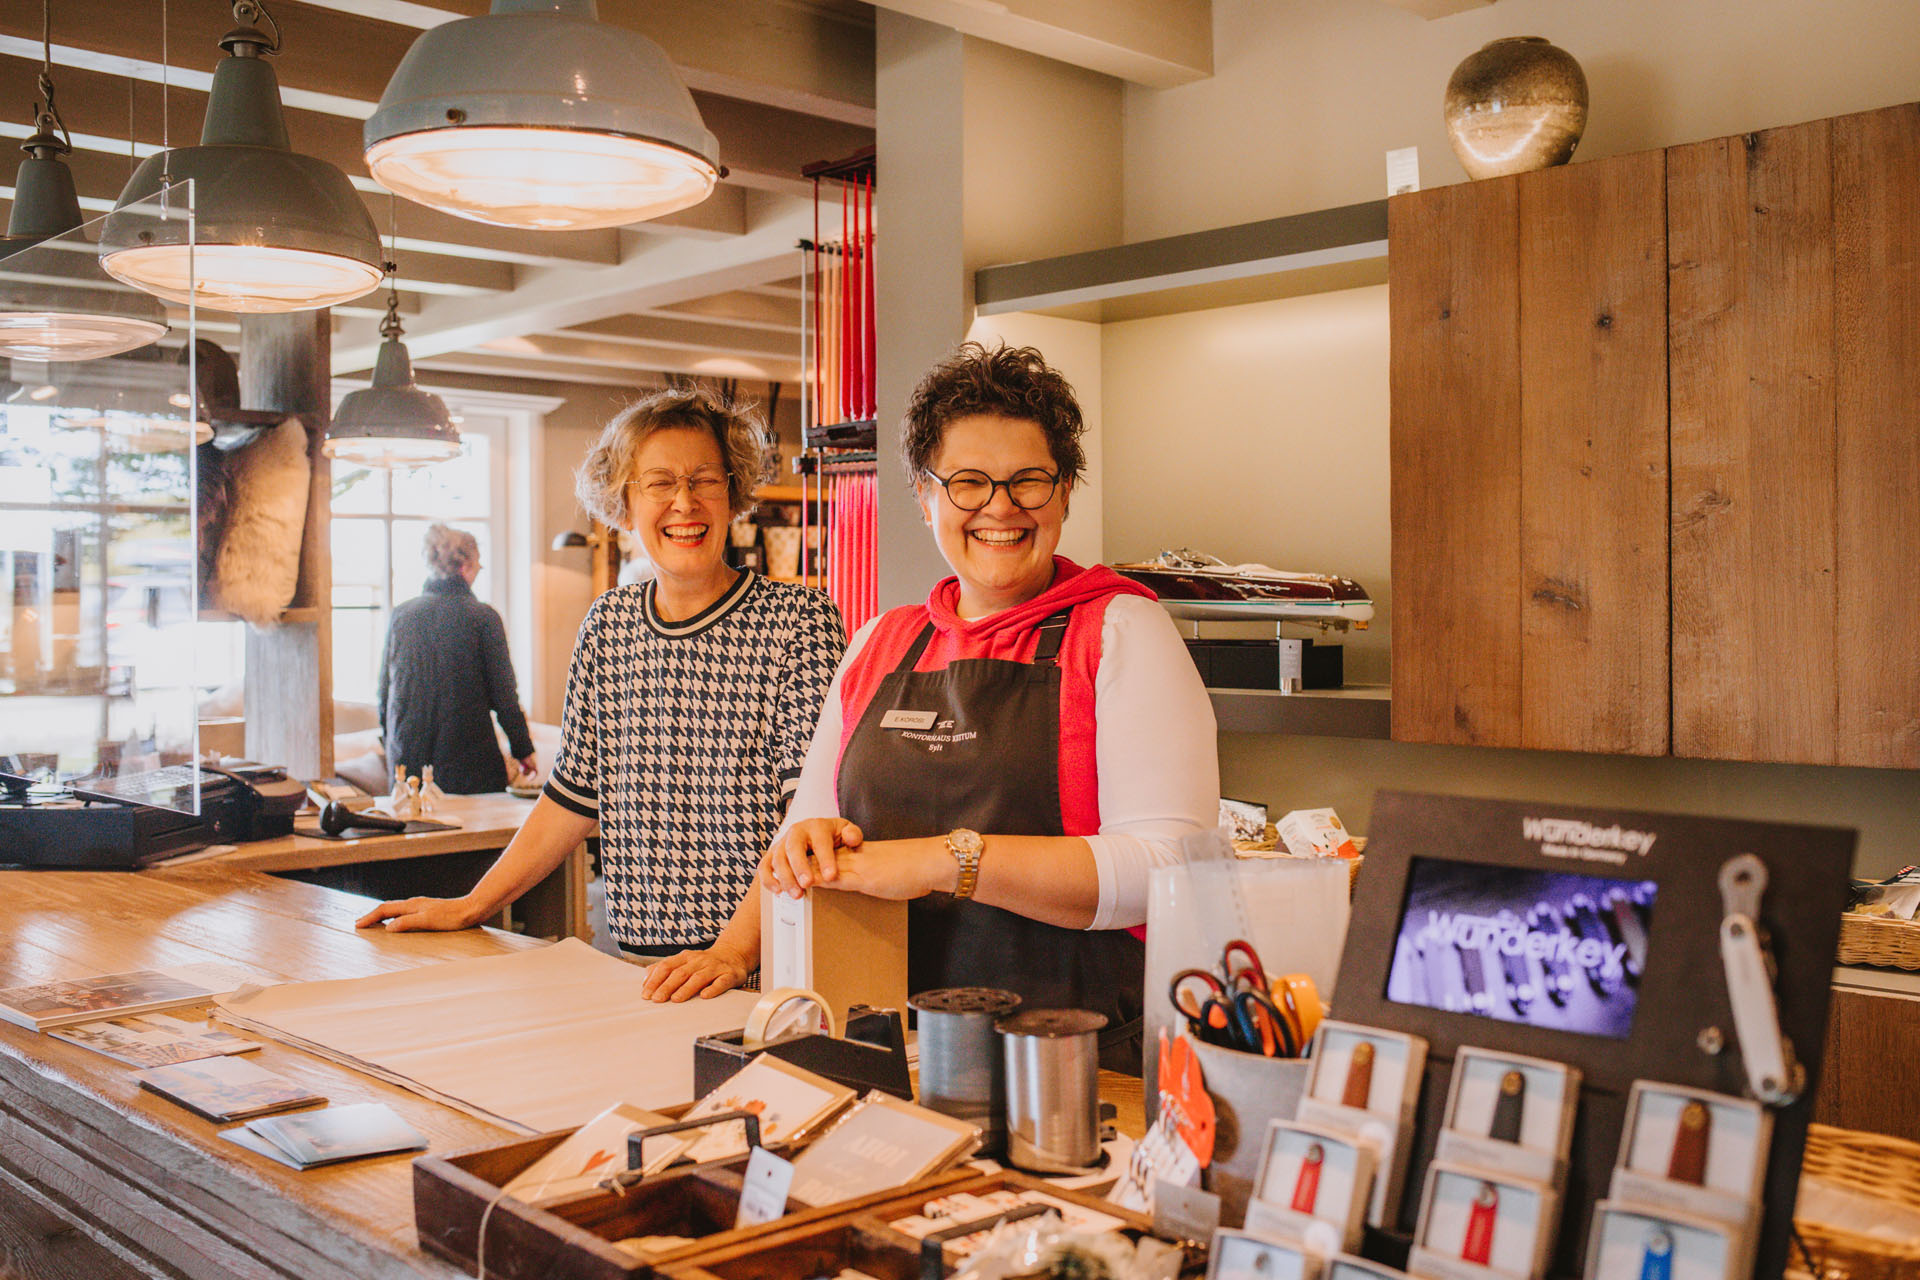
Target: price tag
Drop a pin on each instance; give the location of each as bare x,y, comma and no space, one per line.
1403,171
763,1197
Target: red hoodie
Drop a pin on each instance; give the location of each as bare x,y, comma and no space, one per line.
1012,635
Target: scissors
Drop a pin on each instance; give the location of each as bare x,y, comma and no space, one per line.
1207,1014
1230,1018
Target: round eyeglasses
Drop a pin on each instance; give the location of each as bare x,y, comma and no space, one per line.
971,490
662,486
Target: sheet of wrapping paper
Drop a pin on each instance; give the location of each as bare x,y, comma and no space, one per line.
533,1040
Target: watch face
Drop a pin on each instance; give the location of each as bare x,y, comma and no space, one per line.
965,841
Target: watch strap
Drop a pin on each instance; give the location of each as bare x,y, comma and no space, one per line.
1509,1107
965,848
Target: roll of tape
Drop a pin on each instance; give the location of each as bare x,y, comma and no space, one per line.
780,1004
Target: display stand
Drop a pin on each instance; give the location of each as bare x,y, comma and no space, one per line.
1448,878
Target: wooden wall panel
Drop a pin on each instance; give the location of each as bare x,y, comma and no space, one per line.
1593,457
1751,333
1876,211
1455,444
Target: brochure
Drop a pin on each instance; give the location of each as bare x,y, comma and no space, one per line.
154,1040
44,1005
223,1089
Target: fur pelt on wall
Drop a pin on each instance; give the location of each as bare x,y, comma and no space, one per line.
258,564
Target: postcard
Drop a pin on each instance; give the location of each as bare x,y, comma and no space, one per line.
594,1151
789,1101
339,1133
224,1089
154,1040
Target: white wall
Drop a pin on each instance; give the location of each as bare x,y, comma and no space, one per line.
1307,95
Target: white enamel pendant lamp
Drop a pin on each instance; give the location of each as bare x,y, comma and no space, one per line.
538,115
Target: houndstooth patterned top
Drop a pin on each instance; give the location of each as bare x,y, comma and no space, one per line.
685,739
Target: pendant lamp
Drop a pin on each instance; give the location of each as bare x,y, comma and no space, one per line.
47,309
272,230
393,423
538,115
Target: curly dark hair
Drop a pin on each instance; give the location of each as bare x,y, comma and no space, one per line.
1005,382
600,483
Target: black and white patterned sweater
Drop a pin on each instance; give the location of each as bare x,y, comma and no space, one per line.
685,740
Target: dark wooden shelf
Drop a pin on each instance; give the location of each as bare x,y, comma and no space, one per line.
1357,711
1313,252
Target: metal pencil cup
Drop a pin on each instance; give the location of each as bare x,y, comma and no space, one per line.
1053,1089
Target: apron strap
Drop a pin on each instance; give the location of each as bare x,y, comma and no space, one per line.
918,647
1053,630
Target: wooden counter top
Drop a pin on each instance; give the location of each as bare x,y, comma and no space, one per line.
486,821
150,1183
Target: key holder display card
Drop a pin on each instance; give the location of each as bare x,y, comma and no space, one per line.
1344,1266
1612,941
1510,1114
1631,1243
1314,1185
1248,1255
1476,1226
1365,1083
1692,1150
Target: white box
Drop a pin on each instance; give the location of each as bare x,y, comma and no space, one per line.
1387,1120
1738,1137
1335,1217
1245,1255
1343,1267
1700,1249
1525,1216
1550,1099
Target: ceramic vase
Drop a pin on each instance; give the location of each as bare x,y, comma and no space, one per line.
1517,105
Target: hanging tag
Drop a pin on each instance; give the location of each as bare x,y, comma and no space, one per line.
1657,1262
1359,1086
1688,1163
1478,1246
1510,1108
1306,1188
763,1193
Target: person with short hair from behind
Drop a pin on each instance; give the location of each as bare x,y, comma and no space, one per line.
446,674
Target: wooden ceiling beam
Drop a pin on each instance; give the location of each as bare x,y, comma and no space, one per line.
1158,43
643,331
747,310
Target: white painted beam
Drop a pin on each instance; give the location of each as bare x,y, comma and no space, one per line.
559,298
1158,43
1431,9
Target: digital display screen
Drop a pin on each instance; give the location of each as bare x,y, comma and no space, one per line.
1543,948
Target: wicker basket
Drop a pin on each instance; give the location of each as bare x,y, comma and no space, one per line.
1879,940
1868,1164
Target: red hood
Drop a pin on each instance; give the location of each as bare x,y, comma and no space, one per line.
1072,585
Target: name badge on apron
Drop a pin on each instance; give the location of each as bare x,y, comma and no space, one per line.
909,719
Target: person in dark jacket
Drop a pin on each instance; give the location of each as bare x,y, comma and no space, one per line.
445,670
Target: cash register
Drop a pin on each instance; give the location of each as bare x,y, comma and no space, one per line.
130,821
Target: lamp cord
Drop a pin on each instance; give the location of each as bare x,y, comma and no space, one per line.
390,327
47,118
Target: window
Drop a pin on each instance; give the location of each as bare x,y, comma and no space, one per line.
379,521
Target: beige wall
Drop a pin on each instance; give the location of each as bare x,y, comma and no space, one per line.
1261,431
1308,95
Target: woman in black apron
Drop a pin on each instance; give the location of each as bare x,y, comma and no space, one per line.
960,740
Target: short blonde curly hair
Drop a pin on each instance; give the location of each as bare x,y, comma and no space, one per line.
448,550
600,483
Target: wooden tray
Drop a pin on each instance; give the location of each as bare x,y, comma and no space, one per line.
572,1239
859,1235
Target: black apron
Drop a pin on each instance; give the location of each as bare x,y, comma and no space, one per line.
987,758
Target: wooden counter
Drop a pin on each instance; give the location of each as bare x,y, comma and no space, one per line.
104,1180
556,907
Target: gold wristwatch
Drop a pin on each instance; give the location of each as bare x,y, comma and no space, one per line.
966,847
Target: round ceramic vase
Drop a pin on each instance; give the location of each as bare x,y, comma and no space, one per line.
1517,105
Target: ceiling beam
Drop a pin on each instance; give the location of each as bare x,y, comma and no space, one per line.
678,359
647,331
558,298
1158,43
747,310
811,58
1431,9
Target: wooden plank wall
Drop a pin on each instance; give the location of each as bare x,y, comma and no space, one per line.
1593,457
1454,305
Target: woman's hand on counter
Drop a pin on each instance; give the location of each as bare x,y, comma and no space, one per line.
694,973
409,914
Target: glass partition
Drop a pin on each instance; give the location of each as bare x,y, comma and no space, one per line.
98,430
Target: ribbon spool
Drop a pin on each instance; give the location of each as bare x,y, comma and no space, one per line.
789,1011
962,1068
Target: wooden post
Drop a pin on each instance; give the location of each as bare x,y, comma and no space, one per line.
285,367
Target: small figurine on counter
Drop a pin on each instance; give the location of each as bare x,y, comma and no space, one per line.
430,794
403,802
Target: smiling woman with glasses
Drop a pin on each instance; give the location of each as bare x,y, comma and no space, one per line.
1016,754
690,703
